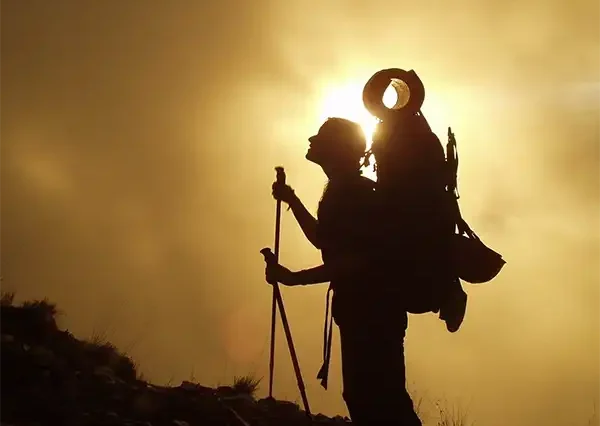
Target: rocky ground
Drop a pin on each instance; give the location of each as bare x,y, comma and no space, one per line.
48,377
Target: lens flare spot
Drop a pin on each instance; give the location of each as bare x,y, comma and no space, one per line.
244,335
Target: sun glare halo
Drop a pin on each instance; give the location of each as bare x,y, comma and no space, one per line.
346,102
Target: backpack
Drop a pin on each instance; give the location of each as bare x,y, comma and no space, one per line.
423,236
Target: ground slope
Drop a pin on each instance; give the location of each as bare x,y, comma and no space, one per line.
50,377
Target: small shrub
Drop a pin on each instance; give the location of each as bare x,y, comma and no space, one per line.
247,385
451,416
7,298
98,338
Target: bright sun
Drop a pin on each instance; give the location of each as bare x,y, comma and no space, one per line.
346,102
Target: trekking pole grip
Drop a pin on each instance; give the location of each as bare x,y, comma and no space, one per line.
280,174
280,178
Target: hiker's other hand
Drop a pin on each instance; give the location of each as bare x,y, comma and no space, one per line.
275,273
283,192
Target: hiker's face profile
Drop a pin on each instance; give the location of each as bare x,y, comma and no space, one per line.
321,151
331,152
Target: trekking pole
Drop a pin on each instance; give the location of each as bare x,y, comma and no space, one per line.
280,178
277,301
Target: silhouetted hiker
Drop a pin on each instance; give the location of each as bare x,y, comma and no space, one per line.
372,326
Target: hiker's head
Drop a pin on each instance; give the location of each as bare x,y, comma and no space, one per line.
339,144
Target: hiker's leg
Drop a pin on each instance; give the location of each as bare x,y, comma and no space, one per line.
397,401
374,382
353,388
374,376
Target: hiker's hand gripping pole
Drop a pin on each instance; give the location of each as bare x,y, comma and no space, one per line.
277,301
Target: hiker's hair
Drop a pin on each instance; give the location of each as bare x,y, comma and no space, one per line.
352,136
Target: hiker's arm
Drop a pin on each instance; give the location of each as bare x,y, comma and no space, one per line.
307,222
276,273
317,275
344,268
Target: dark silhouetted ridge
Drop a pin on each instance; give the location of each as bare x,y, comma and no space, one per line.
50,377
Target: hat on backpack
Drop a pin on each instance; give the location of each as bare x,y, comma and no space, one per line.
409,90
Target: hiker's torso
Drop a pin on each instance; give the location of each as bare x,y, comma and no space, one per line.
346,215
355,223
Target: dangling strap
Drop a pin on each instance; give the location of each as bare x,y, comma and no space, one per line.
452,162
327,340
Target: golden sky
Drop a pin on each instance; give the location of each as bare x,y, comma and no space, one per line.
139,139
